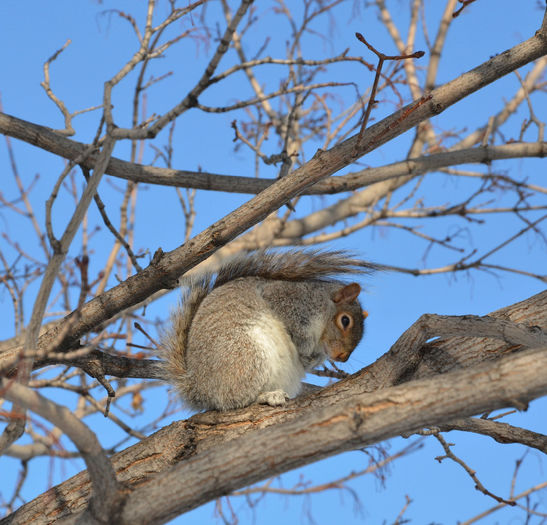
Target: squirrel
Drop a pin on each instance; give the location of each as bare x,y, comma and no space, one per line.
250,333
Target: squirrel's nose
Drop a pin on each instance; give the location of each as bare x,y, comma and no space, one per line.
341,356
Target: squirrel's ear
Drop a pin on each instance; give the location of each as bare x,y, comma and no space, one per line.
347,294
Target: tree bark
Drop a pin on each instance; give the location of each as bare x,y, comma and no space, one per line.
191,462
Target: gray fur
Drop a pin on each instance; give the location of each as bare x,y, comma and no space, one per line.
251,334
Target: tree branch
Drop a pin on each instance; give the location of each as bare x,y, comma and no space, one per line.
49,140
351,420
105,499
362,408
501,432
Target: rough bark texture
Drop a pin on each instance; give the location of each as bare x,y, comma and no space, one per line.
190,462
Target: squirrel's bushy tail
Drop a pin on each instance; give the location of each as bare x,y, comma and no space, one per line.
292,265
175,340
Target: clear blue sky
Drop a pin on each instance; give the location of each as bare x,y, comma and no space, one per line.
30,32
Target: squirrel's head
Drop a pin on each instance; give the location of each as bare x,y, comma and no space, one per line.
345,329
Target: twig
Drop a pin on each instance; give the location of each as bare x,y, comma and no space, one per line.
381,58
143,331
110,226
472,474
398,519
501,432
68,130
464,3
523,494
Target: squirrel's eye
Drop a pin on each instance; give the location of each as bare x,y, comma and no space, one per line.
344,321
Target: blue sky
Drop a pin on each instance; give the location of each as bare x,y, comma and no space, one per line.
30,32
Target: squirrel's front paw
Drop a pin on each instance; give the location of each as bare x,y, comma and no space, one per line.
274,398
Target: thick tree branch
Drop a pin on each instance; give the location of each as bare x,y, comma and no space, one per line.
350,423
364,398
352,420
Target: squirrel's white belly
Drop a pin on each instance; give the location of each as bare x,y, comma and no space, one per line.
282,367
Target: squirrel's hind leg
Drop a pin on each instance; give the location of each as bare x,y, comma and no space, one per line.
275,398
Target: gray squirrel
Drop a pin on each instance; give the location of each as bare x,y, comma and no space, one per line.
251,333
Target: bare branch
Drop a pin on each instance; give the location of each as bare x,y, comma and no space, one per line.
105,500
501,432
381,59
472,473
72,150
